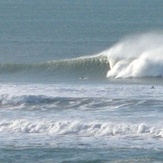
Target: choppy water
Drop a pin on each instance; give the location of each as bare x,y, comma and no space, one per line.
81,122
81,81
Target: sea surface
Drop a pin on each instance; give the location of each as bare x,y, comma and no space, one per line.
81,81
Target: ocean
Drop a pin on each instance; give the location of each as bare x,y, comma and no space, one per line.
81,81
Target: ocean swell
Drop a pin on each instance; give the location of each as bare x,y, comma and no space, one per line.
77,68
136,56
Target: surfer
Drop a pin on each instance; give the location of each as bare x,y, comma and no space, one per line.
82,78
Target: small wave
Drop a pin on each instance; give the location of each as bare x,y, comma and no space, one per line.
81,128
23,99
39,101
32,102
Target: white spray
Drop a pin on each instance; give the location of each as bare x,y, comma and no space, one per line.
136,56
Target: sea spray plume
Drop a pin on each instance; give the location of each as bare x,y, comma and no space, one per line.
136,56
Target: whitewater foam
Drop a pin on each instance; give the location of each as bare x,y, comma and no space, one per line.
136,56
81,128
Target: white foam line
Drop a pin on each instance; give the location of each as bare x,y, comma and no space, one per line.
81,128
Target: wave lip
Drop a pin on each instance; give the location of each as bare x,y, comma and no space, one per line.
136,56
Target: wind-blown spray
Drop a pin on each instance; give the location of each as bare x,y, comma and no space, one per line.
136,56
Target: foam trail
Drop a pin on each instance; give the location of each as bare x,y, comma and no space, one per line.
136,56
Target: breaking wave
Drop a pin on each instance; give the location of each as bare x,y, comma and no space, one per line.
81,128
136,56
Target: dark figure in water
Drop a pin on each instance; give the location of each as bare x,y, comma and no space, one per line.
82,78
152,87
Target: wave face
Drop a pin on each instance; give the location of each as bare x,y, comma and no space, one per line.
78,68
136,56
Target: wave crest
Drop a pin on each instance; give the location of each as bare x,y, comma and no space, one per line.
136,56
